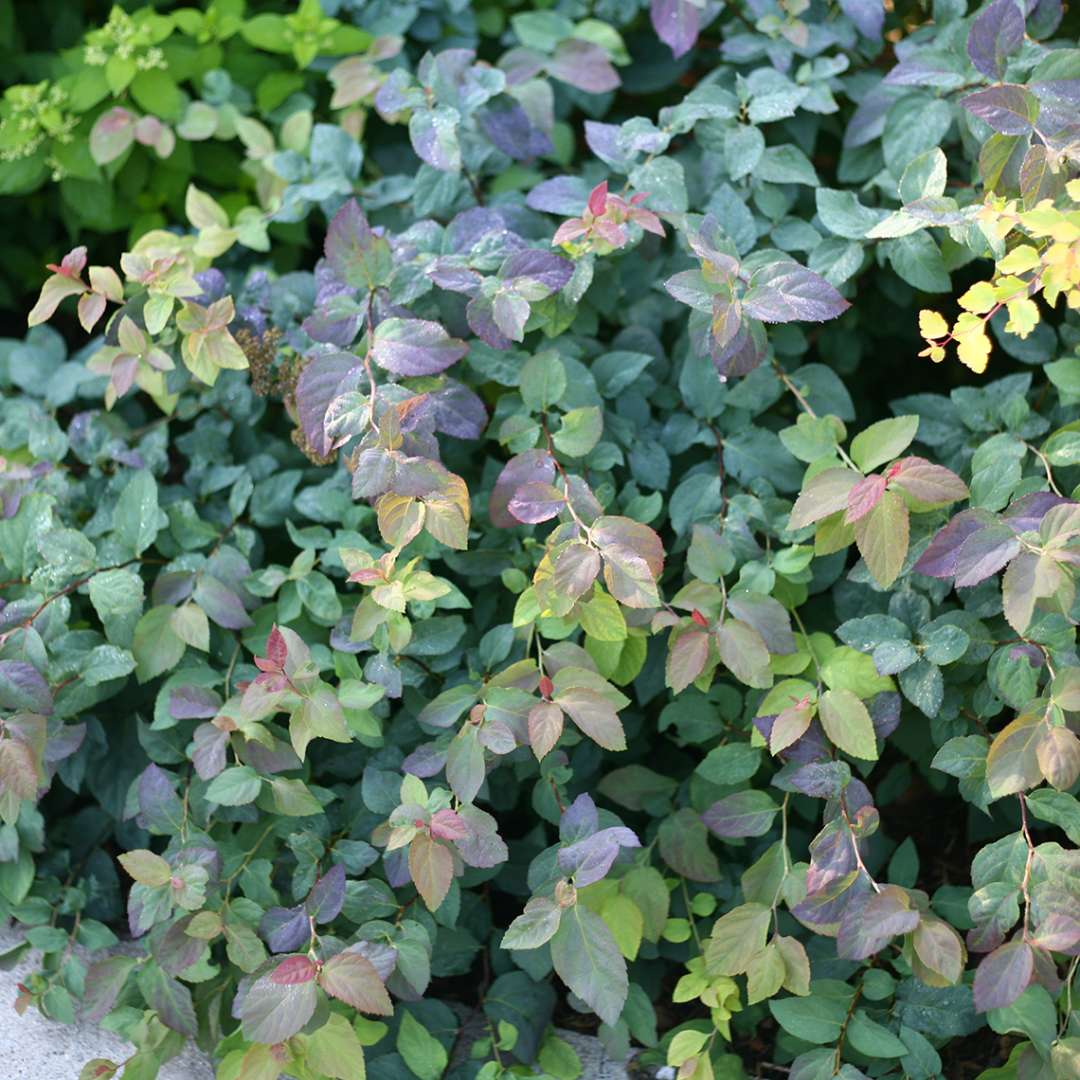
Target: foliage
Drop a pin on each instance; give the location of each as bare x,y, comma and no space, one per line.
497,604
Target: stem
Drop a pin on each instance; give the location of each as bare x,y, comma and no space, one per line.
369,350
565,479
1064,1022
690,913
800,397
1025,884
855,846
68,589
802,630
844,1027
1046,467
722,513
787,861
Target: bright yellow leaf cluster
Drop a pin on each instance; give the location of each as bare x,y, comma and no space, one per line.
1046,261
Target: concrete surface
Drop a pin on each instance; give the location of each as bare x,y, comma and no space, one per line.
34,1048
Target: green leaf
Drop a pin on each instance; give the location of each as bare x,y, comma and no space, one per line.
146,867
882,538
847,723
883,441
737,938
872,1039
818,1018
137,517
587,958
579,431
534,926
156,645
423,1053
235,786
335,1051
602,618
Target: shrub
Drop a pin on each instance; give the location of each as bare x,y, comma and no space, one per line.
569,592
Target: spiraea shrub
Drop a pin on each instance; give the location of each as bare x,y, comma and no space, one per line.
567,518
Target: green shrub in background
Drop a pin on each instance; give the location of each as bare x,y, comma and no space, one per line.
539,594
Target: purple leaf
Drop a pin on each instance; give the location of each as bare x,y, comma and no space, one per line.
1027,512
939,559
786,292
326,376
459,411
173,587
1043,17
483,847
579,819
479,229
983,554
381,955
329,329
160,808
285,929
510,130
768,617
583,65
871,921
1060,101
676,23
544,267
885,713
743,814
1008,109
1003,976
22,688
603,141
532,466
357,255
562,195
996,33
867,15
484,323
220,603
453,276
193,703
415,347
590,858
208,752
535,502
327,895
424,761
742,353
868,121
818,779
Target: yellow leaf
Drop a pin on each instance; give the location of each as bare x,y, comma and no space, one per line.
973,350
979,298
1019,260
1023,317
932,325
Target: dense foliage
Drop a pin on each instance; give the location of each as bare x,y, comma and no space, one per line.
496,545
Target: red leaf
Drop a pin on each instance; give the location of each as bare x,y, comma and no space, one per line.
447,825
598,198
864,496
292,971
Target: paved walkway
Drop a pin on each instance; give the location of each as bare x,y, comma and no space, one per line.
34,1048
